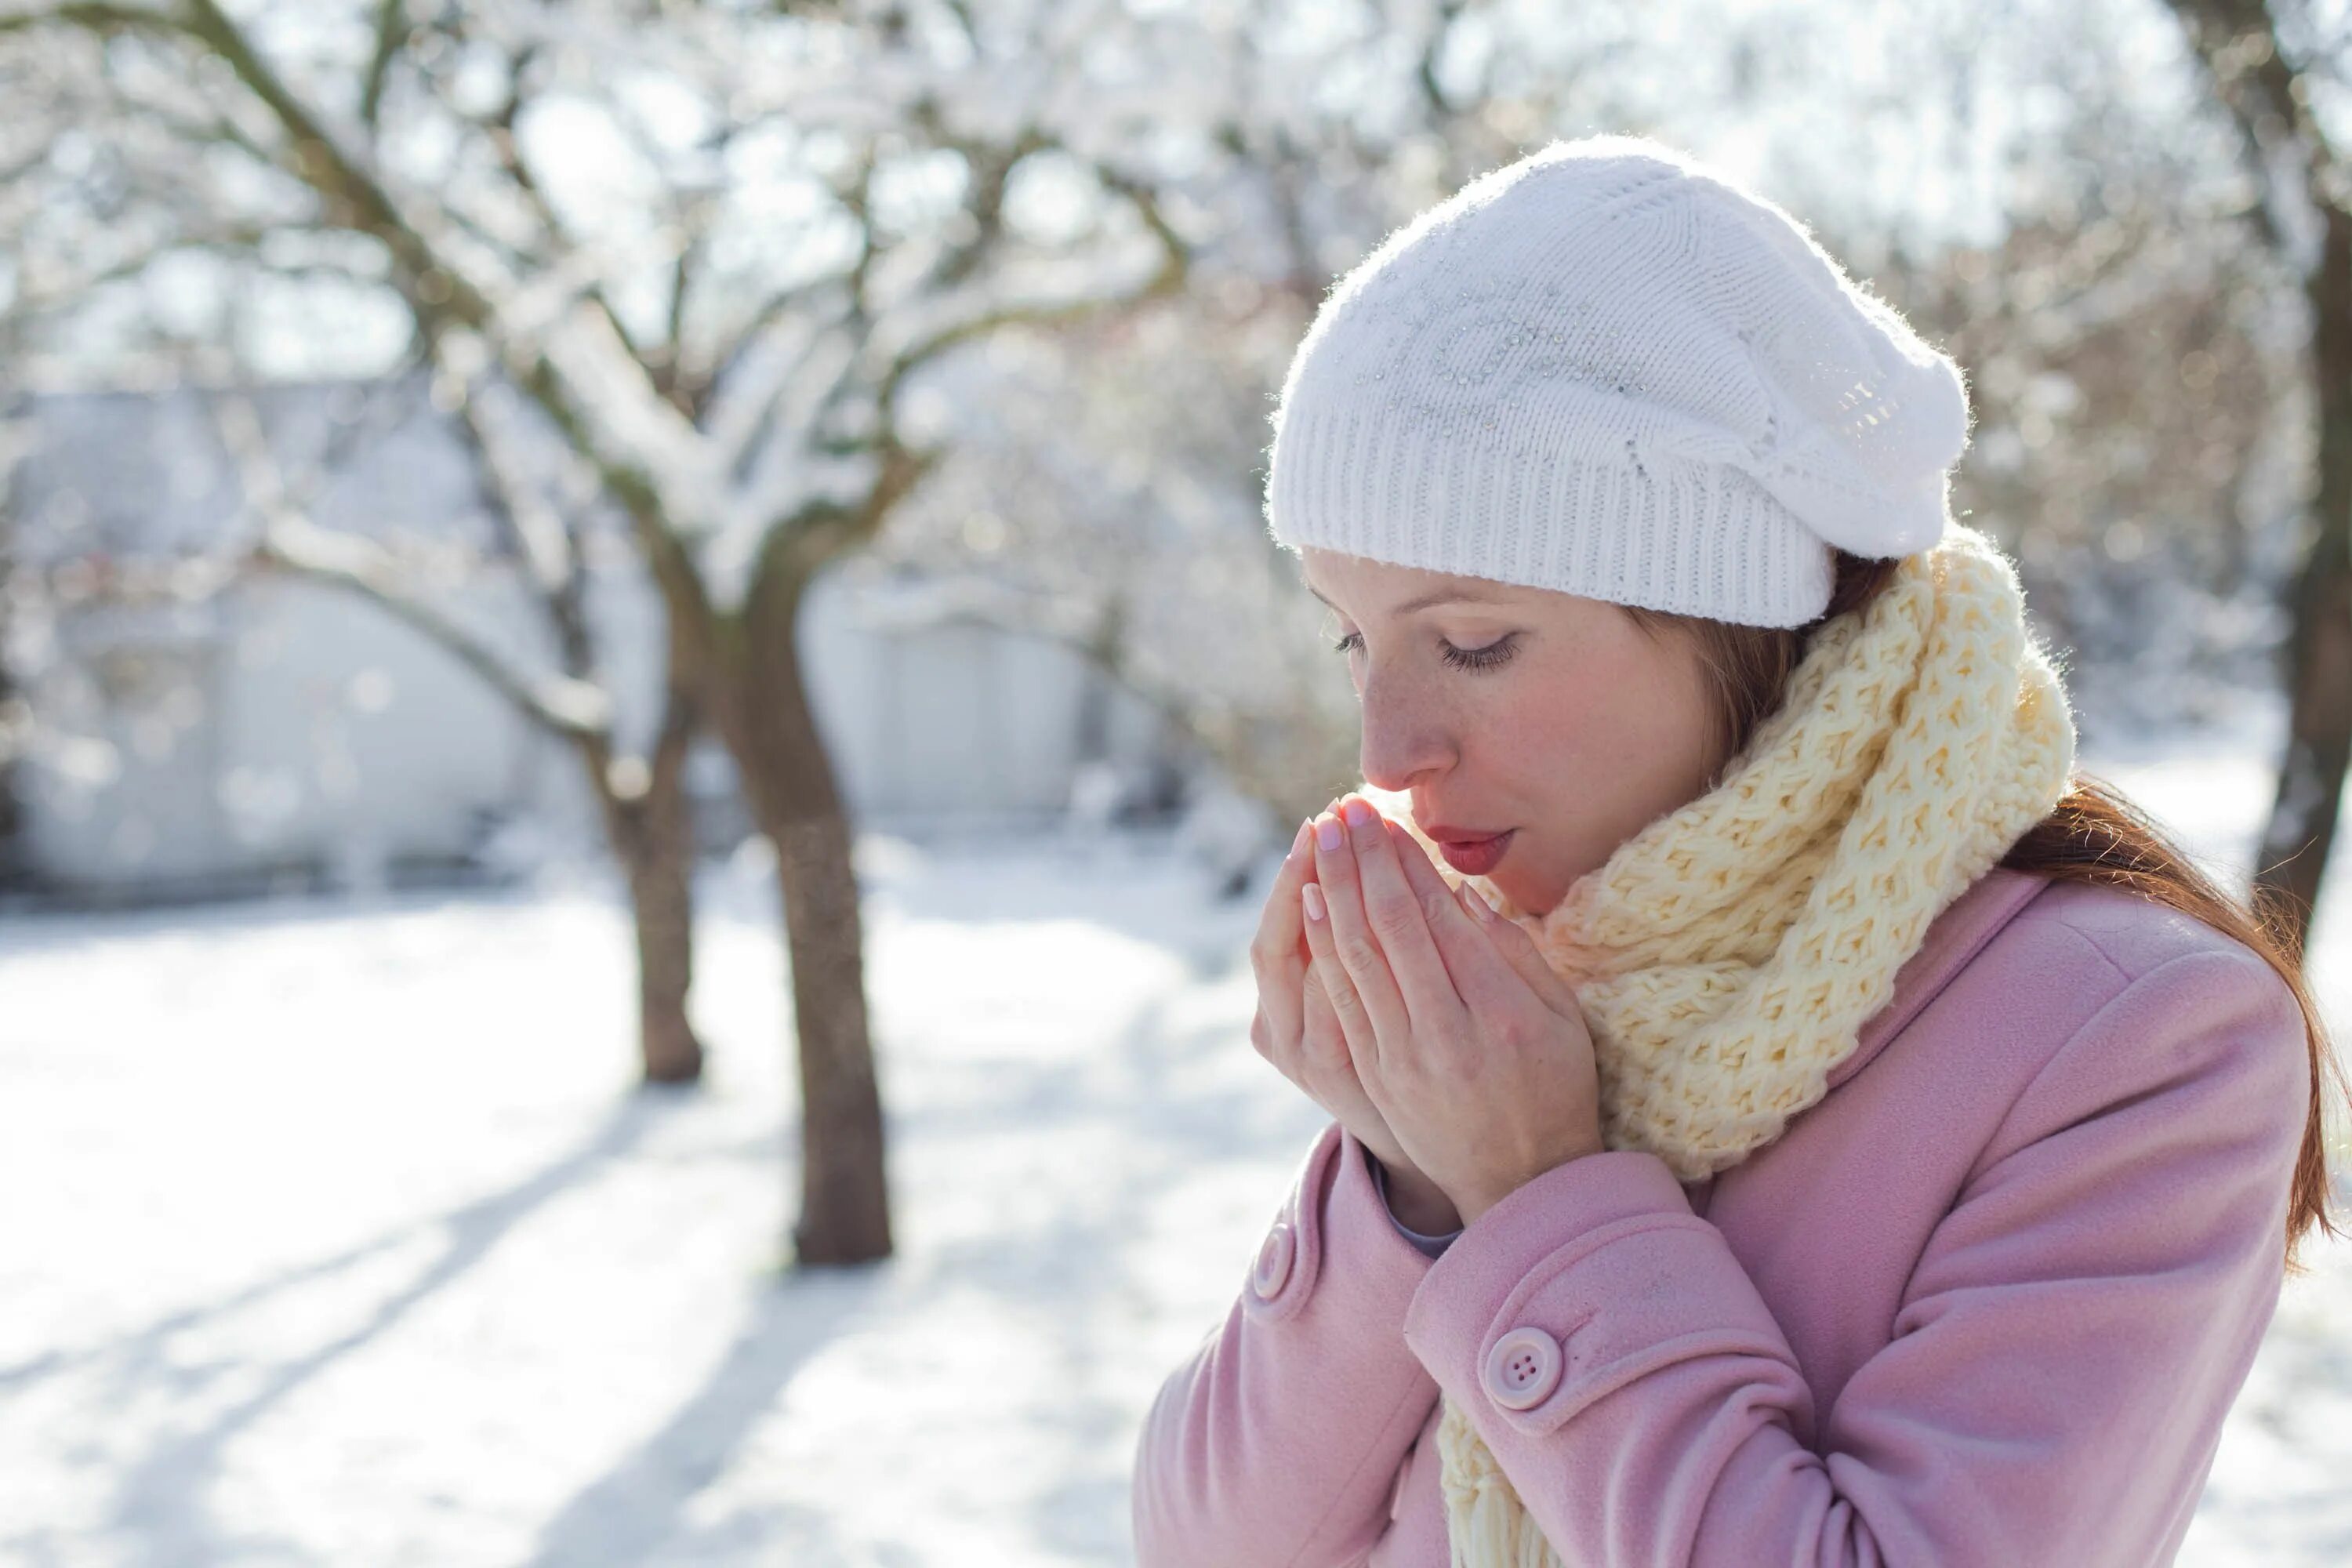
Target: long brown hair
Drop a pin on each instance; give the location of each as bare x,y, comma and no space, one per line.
2093,835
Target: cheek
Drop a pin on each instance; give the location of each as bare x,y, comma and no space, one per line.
1541,730
1592,732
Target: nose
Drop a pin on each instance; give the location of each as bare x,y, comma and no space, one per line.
1405,736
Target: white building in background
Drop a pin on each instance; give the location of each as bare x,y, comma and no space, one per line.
282,730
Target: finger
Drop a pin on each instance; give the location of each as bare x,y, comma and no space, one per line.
1517,947
1480,971
1326,971
1402,918
1322,1043
1355,948
1346,1055
1279,952
1278,934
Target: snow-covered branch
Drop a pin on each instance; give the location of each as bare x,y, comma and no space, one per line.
287,541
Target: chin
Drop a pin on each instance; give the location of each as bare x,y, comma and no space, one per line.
1504,882
1530,893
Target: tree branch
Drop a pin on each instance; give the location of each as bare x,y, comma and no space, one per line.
648,465
2237,43
1168,279
389,33
573,711
540,534
95,16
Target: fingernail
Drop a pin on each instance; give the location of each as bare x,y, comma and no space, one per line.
1299,840
1312,895
1358,810
1327,831
1479,908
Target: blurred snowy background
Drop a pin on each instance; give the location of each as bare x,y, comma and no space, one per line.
601,604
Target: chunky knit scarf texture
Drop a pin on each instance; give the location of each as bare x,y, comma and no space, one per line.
1727,956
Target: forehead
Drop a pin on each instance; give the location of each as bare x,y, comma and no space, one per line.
1400,590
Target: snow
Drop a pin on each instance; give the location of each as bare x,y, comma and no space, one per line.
335,1234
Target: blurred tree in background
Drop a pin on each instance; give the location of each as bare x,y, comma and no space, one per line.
736,390
2274,69
15,716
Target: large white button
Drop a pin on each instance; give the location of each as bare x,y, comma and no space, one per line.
1274,1255
1522,1368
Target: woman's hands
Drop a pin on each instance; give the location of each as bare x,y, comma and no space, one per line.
1298,1031
1471,1051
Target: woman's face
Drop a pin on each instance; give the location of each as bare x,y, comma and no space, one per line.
1501,709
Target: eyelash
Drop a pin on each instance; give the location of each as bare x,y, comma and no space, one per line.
1488,657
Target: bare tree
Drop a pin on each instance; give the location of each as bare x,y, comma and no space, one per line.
639,790
2266,64
2137,397
103,172
744,409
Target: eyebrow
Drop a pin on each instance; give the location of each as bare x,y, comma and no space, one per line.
1441,596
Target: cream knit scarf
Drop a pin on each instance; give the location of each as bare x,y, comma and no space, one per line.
1727,956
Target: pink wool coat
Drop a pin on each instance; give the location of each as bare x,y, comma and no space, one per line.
1985,1303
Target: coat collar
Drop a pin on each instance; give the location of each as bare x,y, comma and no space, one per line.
1953,936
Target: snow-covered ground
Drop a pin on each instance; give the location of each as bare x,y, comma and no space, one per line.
331,1232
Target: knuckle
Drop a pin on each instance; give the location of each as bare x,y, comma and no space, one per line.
1515,1031
1393,917
1348,1006
1406,1076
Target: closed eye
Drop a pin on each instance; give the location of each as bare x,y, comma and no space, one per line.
1497,652
1488,657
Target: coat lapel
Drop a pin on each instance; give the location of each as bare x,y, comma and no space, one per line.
1953,936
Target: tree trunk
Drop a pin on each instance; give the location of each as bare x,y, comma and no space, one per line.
12,854
2302,828
659,862
762,708
651,829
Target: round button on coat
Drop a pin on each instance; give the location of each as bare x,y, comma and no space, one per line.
1522,1368
1274,1255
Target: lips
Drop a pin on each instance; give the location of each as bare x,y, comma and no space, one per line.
1476,857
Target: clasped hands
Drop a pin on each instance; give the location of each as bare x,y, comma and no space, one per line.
1460,1058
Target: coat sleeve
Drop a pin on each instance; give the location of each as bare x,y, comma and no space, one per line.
2064,1355
1277,1445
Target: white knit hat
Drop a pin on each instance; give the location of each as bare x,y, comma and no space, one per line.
1608,370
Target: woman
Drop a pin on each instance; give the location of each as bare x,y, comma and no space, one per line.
1781,1112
